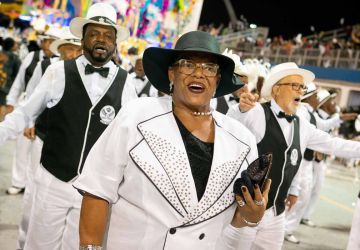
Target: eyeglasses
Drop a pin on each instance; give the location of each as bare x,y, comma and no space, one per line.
188,67
295,86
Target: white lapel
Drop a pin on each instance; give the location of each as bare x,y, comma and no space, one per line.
162,148
229,155
165,161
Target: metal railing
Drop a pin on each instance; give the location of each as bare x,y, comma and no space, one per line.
336,58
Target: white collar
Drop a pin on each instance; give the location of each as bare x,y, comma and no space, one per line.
275,107
323,114
308,106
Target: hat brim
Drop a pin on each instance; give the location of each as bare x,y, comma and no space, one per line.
77,24
43,37
274,78
57,43
156,63
333,95
307,95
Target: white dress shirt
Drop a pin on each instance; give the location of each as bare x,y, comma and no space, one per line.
18,86
229,102
51,89
36,77
310,136
321,123
140,84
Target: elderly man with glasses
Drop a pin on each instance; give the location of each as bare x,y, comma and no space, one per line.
279,131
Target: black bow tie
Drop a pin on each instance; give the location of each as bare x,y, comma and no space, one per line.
234,98
289,118
141,78
103,71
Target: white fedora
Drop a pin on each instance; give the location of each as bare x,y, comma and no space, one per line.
323,96
282,70
311,90
66,37
51,33
99,13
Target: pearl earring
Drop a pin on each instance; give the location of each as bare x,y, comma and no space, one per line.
171,87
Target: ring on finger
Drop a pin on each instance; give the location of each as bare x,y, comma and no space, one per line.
241,203
259,203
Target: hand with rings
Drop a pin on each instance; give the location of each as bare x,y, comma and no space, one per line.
250,211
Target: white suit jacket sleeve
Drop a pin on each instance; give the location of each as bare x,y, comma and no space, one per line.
321,141
254,119
327,124
104,167
129,92
25,114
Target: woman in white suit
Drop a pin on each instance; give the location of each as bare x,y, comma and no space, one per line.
168,166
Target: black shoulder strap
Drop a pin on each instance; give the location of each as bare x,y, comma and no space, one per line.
30,69
267,110
44,64
146,89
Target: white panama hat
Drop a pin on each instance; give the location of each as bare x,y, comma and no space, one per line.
99,13
323,96
65,37
282,70
311,90
51,33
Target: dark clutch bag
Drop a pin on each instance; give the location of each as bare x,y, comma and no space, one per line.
256,173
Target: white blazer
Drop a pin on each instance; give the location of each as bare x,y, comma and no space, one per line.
140,165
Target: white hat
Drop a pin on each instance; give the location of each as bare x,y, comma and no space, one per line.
65,37
51,33
282,70
323,96
240,68
311,90
99,13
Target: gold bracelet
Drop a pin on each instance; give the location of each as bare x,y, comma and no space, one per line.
90,247
249,223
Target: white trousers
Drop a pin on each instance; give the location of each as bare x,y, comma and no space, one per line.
269,234
21,161
54,220
36,147
354,239
318,180
293,216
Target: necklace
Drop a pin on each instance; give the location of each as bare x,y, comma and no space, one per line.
195,113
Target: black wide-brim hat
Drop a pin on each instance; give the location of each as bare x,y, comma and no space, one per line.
156,62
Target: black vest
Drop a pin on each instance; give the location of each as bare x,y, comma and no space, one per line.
44,65
286,160
42,120
71,132
30,69
309,154
222,105
146,90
